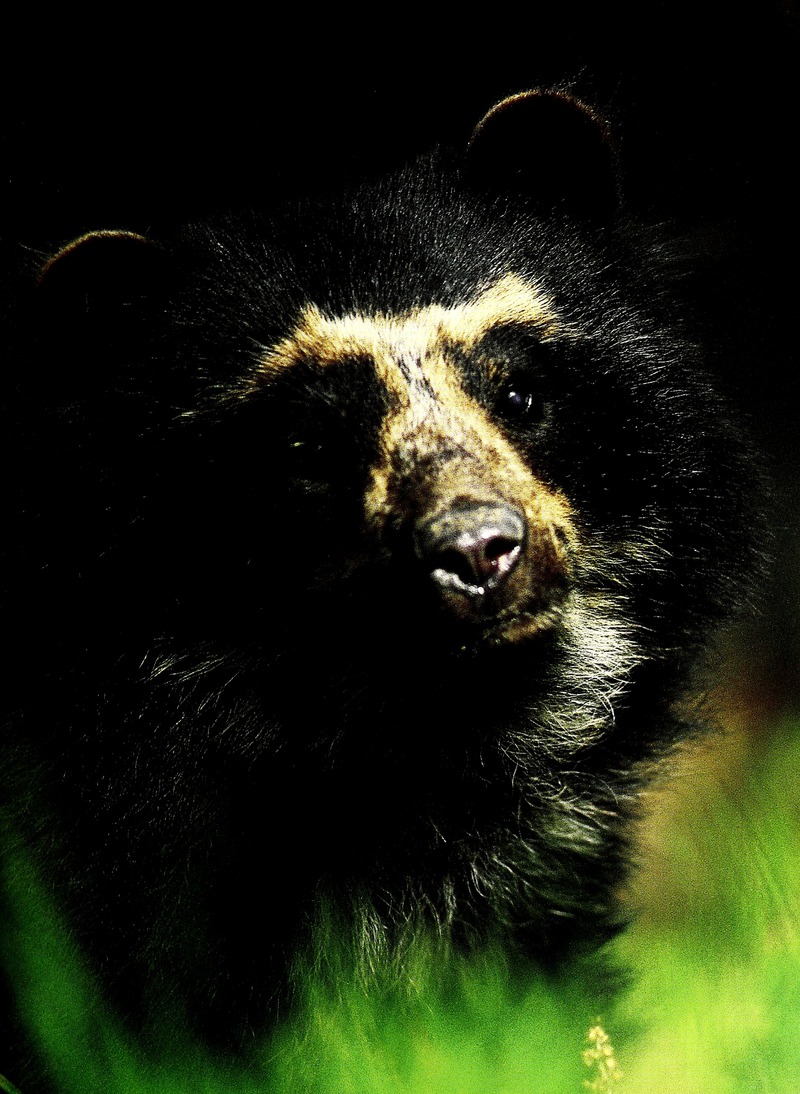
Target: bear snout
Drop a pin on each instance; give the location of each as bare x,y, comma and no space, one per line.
471,547
489,564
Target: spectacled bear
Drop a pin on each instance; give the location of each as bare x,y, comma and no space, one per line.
357,556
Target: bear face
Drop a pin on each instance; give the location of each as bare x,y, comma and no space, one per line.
364,549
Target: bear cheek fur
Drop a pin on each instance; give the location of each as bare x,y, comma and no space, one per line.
440,449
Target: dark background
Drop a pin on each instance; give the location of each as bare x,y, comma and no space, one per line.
113,126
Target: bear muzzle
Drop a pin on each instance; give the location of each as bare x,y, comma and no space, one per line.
471,547
491,567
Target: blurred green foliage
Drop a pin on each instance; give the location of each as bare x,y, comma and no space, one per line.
712,1004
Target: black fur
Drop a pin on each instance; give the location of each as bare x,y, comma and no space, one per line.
231,701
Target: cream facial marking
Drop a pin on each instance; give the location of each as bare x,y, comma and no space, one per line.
432,413
388,339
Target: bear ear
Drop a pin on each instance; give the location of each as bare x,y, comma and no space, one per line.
95,306
103,282
550,148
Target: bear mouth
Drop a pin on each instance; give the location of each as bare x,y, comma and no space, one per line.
523,625
511,628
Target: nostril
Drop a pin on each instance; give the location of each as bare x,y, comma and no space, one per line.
471,547
499,555
453,562
499,549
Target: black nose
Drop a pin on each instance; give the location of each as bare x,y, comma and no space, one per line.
471,547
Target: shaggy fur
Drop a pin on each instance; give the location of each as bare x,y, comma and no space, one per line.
358,557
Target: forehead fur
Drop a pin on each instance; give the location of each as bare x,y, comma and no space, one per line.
419,333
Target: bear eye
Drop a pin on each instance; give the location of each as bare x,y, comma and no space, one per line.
304,447
519,401
304,457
